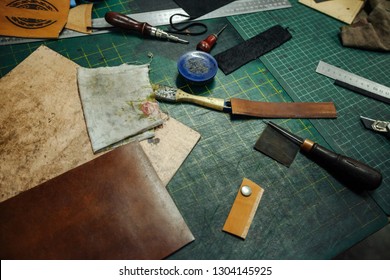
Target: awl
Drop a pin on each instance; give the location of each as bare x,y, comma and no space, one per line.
142,28
207,44
243,107
354,174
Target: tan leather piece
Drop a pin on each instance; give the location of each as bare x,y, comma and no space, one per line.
113,207
43,132
42,19
172,143
80,18
243,210
343,10
283,109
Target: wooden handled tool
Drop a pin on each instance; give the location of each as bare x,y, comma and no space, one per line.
354,174
237,106
207,44
142,28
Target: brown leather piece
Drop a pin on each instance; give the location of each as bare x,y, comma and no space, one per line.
308,110
113,207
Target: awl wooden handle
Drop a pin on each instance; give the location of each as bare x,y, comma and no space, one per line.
125,22
354,174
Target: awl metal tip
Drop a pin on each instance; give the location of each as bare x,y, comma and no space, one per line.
182,41
176,39
220,31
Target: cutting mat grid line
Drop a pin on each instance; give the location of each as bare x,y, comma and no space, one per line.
123,6
294,64
299,215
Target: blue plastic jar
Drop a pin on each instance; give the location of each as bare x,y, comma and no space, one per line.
197,67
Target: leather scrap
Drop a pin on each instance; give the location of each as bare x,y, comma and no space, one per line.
283,110
43,132
371,28
113,207
33,19
201,7
172,143
239,55
80,18
343,10
243,210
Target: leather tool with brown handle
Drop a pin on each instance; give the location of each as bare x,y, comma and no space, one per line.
142,28
356,175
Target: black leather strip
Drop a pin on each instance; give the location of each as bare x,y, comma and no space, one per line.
237,56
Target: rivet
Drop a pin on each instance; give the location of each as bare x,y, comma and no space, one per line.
246,191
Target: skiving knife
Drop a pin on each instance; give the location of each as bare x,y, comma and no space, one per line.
237,106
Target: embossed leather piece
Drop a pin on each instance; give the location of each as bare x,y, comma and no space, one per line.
33,19
113,207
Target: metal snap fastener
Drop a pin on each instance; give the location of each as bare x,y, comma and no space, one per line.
246,191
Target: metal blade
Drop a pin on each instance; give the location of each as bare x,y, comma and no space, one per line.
367,122
277,146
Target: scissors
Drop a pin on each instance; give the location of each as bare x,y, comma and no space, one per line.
382,127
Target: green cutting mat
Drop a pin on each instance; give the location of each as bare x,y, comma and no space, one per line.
315,38
304,213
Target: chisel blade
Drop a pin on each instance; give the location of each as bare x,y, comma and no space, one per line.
276,146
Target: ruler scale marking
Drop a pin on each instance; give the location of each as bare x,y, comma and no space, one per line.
354,82
158,18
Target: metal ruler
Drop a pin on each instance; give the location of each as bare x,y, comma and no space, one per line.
157,18
354,82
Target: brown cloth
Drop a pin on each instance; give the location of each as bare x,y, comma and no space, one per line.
371,28
113,207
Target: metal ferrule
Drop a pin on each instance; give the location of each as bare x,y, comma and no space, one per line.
380,126
158,33
307,145
165,93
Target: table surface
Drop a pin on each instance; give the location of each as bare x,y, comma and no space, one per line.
304,212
